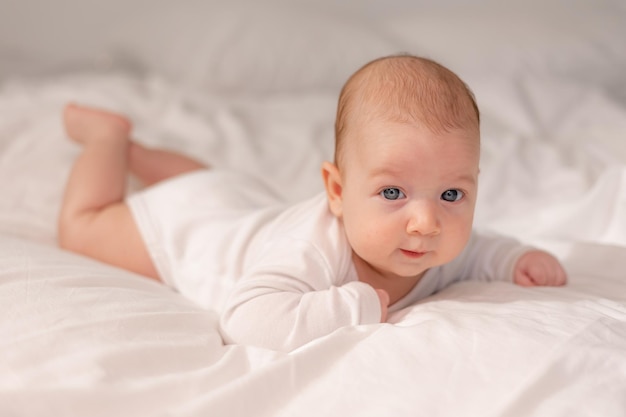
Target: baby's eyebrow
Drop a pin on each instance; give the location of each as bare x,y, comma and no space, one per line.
397,172
385,171
465,178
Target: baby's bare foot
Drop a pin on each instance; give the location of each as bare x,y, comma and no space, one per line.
87,124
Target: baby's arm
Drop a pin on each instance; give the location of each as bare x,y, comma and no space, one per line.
537,267
285,302
286,318
493,257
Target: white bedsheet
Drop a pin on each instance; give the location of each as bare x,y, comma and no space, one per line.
85,339
80,338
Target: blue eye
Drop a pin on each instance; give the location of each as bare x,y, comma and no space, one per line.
392,194
452,195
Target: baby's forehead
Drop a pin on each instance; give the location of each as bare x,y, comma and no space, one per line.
389,142
383,130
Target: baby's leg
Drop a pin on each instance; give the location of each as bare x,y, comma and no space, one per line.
154,165
94,219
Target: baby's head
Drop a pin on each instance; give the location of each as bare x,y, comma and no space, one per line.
404,180
403,88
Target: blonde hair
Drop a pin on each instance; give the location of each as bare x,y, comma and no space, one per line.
408,89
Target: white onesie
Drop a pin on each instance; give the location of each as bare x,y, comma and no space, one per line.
279,275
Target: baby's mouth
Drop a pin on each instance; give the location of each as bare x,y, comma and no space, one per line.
412,254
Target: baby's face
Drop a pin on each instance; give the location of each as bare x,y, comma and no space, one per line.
408,196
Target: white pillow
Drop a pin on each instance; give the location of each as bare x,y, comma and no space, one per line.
251,48
224,46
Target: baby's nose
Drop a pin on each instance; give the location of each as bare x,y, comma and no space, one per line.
423,219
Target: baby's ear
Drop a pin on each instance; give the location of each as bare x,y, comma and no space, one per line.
332,182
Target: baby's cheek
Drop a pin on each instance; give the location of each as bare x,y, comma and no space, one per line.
374,237
363,237
457,239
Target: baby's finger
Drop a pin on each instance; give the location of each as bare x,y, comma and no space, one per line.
561,276
383,296
523,280
542,272
554,274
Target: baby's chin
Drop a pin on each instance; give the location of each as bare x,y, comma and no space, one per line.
413,271
407,273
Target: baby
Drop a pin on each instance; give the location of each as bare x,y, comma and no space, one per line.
393,226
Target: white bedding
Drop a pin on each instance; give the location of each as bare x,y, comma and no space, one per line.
255,89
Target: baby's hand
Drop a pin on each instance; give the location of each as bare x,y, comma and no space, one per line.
537,267
384,304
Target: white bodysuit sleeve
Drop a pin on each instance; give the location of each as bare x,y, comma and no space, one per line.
291,296
489,258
